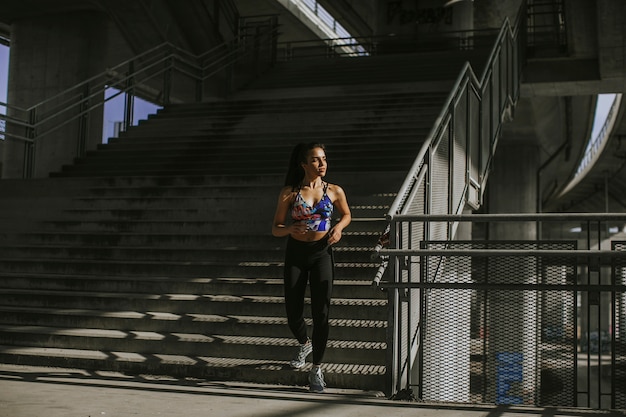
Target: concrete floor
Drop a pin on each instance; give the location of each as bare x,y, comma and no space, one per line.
55,392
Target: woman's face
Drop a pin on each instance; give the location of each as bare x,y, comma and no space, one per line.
315,164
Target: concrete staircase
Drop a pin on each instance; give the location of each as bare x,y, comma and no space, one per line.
153,254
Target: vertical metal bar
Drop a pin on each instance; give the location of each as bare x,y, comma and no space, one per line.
485,329
481,144
167,82
540,277
393,379
588,333
451,147
422,315
597,322
576,294
274,40
468,142
599,318
130,98
407,297
606,192
83,122
398,308
29,147
27,166
612,326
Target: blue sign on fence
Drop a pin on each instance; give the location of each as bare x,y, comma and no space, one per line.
508,370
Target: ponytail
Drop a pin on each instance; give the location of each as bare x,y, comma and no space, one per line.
295,173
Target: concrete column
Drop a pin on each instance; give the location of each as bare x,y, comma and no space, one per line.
447,336
512,323
50,54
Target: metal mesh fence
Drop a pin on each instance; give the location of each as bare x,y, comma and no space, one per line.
495,341
530,322
618,370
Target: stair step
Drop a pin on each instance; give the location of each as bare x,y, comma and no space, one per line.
226,269
307,103
372,164
342,288
274,145
188,344
364,239
213,253
255,326
356,376
342,308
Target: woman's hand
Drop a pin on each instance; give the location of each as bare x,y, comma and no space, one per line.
298,228
334,235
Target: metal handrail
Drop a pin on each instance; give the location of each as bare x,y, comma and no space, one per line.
70,99
135,76
368,45
606,255
511,216
476,107
502,252
466,76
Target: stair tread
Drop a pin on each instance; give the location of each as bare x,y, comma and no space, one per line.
206,361
178,280
185,337
197,317
192,297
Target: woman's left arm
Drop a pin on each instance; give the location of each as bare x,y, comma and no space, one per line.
341,204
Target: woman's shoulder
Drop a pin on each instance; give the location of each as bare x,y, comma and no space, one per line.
288,191
335,188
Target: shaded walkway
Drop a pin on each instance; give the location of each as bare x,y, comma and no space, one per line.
56,392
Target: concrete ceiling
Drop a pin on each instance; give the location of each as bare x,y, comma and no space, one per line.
558,103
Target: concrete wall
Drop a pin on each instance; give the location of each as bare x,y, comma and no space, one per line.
50,54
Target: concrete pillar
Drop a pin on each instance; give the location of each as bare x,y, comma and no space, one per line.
50,54
447,338
512,323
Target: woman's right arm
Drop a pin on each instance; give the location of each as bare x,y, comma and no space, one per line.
279,228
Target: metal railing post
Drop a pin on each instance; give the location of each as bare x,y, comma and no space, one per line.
167,83
29,147
129,102
83,122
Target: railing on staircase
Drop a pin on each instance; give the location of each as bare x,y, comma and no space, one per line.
162,75
355,46
448,175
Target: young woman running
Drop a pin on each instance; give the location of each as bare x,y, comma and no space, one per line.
303,213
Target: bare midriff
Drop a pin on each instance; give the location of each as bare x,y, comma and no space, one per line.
310,236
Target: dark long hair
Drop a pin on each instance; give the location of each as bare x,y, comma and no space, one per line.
295,173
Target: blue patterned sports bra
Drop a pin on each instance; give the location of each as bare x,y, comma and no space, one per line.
317,217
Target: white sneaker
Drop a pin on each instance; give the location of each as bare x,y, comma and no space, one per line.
300,359
316,380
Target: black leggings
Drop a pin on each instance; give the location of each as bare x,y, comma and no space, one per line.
309,262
